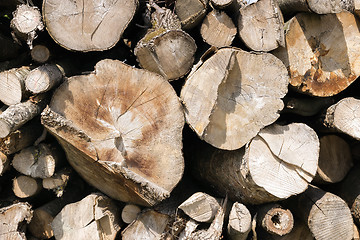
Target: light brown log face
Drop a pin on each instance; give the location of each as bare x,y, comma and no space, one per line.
87,25
322,52
131,121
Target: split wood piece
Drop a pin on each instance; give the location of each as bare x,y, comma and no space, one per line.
58,181
239,224
190,227
218,29
8,49
166,49
4,163
44,78
201,207
306,106
349,190
12,85
37,162
299,231
343,116
278,163
322,62
140,228
87,25
335,160
26,21
13,220
130,213
261,26
190,12
94,217
221,4
273,219
17,115
25,186
319,7
40,53
130,145
221,95
21,138
327,215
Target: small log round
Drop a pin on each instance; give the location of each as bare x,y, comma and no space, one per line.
40,53
129,213
44,78
190,12
58,181
239,224
25,186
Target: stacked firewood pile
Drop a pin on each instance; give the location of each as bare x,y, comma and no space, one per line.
185,119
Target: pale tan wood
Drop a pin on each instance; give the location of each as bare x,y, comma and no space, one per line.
12,85
190,227
40,53
37,161
13,221
279,162
129,213
130,145
25,186
4,163
149,225
166,49
322,62
44,78
327,215
201,207
94,217
221,95
273,219
239,225
87,25
26,22
343,116
190,12
58,181
221,4
218,29
17,115
260,26
316,6
335,160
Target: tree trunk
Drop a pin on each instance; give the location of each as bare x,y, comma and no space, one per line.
166,49
94,217
327,215
87,25
190,12
239,222
219,97
276,164
130,145
335,160
44,78
261,26
13,221
322,52
25,186
129,213
12,85
218,29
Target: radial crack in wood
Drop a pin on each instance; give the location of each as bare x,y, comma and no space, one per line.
121,129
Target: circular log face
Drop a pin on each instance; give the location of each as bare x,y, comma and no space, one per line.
87,25
133,119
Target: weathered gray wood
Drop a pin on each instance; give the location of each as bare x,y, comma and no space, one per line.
40,53
129,213
190,12
239,225
44,78
25,186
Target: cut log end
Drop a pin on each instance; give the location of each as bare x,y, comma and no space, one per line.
25,186
275,220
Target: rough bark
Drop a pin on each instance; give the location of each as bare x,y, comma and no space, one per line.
44,78
94,217
278,163
219,97
343,117
17,115
12,85
166,49
38,161
13,221
321,52
25,186
129,213
335,160
130,144
261,26
40,53
218,29
327,215
316,6
239,225
87,25
58,181
190,12
201,207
